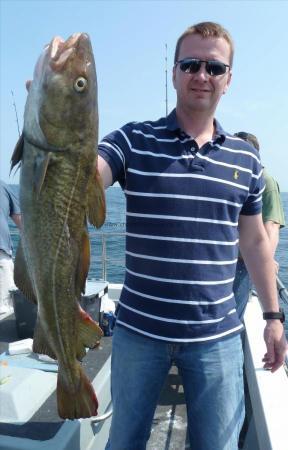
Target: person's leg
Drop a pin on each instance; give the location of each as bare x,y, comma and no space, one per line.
241,288
6,282
139,368
213,384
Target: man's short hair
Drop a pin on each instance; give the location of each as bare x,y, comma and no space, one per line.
206,30
248,137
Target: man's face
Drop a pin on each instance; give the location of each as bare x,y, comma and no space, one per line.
200,91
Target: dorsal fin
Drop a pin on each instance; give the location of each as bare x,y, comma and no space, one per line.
18,152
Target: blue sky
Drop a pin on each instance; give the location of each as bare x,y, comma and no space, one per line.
129,38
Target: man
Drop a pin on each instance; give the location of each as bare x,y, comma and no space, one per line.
9,207
186,181
273,219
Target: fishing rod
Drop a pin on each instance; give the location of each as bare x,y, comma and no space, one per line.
166,88
282,291
15,109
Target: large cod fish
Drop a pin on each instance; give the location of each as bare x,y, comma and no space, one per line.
60,189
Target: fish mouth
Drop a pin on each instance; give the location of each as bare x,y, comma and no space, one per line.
60,50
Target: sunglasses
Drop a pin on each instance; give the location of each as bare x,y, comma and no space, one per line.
193,65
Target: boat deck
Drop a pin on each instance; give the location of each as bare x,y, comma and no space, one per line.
45,423
265,429
169,429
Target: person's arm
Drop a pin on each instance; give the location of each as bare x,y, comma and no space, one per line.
16,219
256,251
15,213
272,211
272,230
105,172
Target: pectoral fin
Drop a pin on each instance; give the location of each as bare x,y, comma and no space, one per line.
21,275
96,201
18,152
89,333
41,166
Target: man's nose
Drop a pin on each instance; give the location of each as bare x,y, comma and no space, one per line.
202,72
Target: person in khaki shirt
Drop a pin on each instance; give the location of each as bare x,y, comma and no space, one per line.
272,210
273,219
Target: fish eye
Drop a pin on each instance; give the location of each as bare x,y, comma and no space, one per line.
80,84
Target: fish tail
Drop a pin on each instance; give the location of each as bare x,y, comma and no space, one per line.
77,404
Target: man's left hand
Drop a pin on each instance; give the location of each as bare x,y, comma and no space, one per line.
276,344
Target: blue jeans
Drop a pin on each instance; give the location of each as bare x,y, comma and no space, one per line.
212,374
241,288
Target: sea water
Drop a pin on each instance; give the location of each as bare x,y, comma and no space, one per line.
112,236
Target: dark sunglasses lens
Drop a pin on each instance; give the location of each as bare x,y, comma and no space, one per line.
190,66
215,68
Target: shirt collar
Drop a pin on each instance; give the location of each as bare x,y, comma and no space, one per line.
220,133
173,125
172,122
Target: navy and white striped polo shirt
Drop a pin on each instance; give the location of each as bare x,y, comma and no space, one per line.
181,228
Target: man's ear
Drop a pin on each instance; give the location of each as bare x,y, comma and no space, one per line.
228,82
174,75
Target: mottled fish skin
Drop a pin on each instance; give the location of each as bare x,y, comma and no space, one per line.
59,192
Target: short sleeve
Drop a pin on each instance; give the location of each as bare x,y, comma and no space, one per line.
272,206
253,203
115,148
13,203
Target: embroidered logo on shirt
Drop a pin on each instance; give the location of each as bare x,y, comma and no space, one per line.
236,175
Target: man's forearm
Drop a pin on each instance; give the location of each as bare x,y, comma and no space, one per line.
258,258
262,271
272,230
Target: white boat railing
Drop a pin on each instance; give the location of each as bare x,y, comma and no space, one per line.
105,260
268,392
